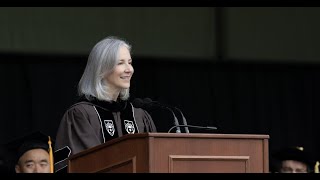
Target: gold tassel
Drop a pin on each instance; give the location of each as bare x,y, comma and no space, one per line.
50,155
316,167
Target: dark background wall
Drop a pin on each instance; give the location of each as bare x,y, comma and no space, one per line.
244,70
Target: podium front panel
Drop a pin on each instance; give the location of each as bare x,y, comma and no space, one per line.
176,153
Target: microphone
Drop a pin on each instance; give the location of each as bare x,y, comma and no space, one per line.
147,103
183,120
137,102
192,126
148,100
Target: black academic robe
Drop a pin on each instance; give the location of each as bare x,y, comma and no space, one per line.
87,124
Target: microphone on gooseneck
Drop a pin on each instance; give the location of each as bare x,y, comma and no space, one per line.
137,102
192,126
149,103
183,120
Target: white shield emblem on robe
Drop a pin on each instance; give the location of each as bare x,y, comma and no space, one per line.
109,127
129,126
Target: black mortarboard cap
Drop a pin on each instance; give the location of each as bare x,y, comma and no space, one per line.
295,153
34,140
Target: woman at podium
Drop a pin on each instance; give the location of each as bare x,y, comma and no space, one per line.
103,111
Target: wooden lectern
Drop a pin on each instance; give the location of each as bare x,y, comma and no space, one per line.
176,153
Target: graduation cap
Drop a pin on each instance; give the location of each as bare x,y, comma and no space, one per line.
35,140
295,153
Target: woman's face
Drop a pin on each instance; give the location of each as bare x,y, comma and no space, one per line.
122,73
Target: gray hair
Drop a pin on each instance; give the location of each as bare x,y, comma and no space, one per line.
102,60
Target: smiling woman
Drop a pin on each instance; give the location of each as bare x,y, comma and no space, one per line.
120,77
103,111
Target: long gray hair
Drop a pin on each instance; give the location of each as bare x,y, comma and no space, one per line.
102,60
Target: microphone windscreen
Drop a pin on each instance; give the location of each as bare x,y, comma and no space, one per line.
147,100
148,103
138,103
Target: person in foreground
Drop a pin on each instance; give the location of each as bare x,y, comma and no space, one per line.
103,111
295,160
32,154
